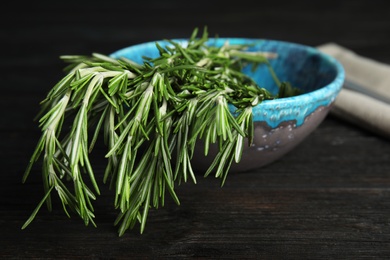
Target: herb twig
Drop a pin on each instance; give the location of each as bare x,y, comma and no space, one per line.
150,116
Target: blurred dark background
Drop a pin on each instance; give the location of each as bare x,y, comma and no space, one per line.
36,33
328,199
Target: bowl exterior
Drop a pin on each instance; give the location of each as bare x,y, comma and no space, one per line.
269,143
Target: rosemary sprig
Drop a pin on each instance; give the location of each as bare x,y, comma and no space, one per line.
151,116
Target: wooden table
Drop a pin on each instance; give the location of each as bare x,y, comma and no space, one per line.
327,199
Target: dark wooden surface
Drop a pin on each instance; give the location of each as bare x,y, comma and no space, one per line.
327,199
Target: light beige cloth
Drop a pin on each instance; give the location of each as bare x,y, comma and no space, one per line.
364,99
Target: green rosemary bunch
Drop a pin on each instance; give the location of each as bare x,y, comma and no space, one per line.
150,116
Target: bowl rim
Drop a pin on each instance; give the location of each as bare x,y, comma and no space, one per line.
323,96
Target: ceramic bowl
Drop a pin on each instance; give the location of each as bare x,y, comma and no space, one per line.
280,124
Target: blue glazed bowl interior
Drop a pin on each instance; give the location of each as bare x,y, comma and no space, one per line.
318,75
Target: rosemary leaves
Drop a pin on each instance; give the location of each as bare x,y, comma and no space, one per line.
150,116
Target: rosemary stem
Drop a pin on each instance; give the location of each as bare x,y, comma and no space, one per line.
152,116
